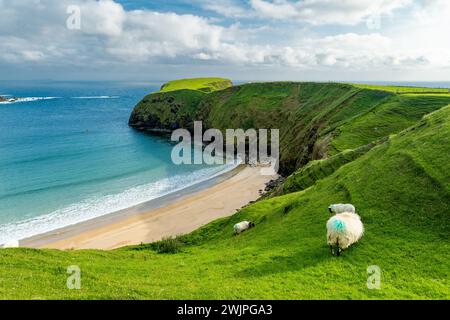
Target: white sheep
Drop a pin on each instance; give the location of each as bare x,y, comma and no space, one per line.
340,208
343,230
242,226
11,244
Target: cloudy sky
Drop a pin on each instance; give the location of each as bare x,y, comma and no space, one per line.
349,40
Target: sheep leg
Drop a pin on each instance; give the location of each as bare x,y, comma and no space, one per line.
338,250
331,250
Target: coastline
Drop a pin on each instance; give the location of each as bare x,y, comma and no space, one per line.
176,213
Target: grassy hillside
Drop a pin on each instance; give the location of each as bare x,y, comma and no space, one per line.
401,189
393,115
301,111
316,170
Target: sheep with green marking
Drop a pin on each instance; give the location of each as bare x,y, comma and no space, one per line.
343,230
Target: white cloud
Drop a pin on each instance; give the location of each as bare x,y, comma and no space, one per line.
31,55
152,34
320,12
226,8
113,36
102,17
275,10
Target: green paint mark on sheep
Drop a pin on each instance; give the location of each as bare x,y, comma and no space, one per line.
338,225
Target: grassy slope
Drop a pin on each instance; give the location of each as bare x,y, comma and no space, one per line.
316,170
401,189
393,115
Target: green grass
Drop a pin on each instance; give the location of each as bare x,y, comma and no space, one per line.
199,84
404,89
317,170
168,245
393,115
401,190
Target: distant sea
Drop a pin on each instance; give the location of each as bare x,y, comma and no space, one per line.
67,155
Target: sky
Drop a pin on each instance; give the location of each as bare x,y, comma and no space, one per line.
317,40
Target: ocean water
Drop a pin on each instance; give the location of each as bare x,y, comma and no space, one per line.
67,155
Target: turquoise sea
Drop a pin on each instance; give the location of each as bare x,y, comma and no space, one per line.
67,155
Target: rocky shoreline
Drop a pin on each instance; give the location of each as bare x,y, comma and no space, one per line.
11,99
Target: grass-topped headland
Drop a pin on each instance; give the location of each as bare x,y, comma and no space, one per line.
386,153
175,104
198,84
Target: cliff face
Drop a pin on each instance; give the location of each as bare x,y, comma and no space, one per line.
166,111
315,120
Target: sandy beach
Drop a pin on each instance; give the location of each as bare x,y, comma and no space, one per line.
183,215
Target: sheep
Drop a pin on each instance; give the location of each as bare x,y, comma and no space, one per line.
343,230
242,226
340,208
11,244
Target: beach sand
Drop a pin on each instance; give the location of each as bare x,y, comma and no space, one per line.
180,216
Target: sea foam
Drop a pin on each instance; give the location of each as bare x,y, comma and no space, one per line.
27,99
97,97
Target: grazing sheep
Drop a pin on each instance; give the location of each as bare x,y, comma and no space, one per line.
11,244
242,226
343,230
340,208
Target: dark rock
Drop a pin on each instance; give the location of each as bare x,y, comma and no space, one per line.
11,99
273,184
